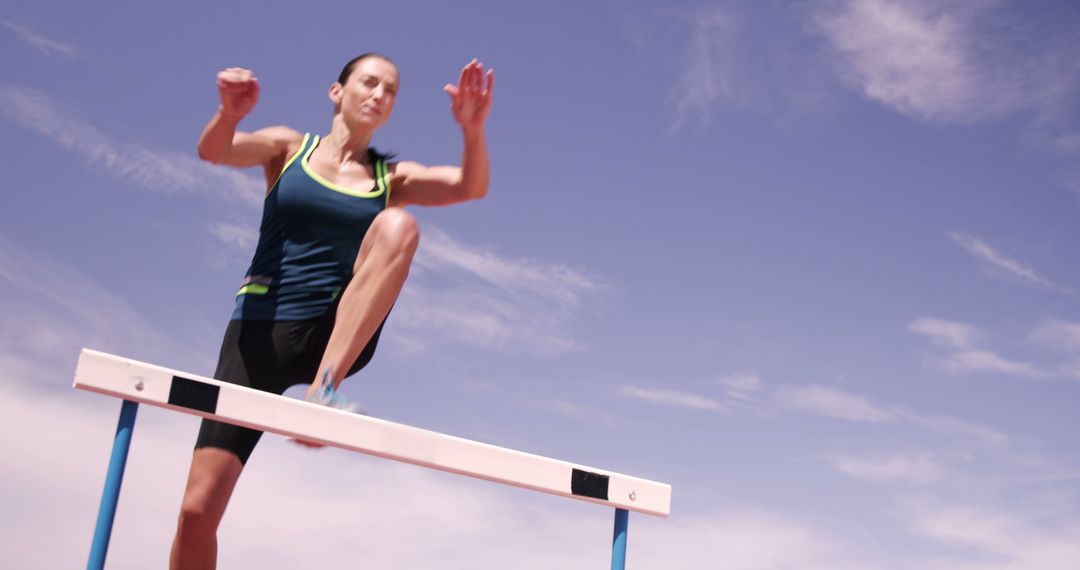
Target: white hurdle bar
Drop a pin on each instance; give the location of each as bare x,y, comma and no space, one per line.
139,382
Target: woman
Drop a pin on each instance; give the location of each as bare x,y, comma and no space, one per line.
334,250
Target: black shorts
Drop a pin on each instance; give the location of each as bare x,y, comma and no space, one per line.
271,356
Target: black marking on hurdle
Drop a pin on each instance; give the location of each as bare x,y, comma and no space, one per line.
193,394
586,484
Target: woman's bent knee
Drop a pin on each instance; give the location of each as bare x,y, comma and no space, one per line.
398,228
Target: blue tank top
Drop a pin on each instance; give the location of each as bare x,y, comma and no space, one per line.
308,240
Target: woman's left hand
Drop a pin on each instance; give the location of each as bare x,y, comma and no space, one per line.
470,99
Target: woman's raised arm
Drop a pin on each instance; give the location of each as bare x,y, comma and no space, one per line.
221,143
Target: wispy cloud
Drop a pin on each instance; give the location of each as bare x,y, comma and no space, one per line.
957,428
708,75
1002,540
1014,268
742,537
239,236
947,61
831,403
45,45
916,468
963,62
746,391
838,404
466,294
906,56
985,361
577,411
146,168
1071,370
964,356
741,390
53,311
1059,334
718,61
947,334
559,283
740,385
155,170
673,398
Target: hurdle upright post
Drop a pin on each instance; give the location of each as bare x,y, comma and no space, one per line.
618,542
113,478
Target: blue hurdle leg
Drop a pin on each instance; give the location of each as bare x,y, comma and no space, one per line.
618,543
113,478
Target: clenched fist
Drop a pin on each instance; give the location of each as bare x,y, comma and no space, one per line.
239,91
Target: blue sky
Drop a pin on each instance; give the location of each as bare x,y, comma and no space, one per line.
812,263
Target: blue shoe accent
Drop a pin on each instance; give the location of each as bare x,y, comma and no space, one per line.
327,396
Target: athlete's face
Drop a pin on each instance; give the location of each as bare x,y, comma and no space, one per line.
367,97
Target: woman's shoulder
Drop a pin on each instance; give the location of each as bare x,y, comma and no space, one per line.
280,133
286,138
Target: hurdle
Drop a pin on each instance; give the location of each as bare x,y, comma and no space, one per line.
141,383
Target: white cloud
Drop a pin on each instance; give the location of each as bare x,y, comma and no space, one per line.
562,284
1071,370
708,76
577,411
916,468
673,398
469,295
740,389
51,311
960,61
1059,334
834,403
477,316
997,540
1025,274
948,334
160,171
720,55
47,46
744,539
964,356
240,236
956,428
907,57
740,385
817,400
831,403
985,361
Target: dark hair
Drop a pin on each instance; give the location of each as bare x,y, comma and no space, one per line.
348,69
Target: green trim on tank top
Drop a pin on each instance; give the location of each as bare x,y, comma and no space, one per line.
382,178
253,289
291,160
382,184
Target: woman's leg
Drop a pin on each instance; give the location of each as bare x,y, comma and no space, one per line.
380,270
210,483
251,354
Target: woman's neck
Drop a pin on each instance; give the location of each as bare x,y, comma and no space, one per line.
346,144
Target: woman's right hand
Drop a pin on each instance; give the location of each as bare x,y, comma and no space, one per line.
239,91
